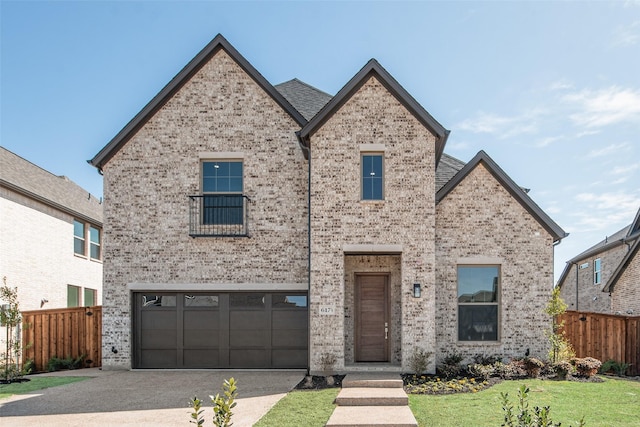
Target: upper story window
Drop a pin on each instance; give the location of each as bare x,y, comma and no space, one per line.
94,242
478,303
372,176
79,238
597,271
223,201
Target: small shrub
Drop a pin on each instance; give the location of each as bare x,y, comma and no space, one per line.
450,366
618,368
562,369
513,370
419,361
586,367
222,406
483,372
526,417
532,366
29,366
483,359
58,364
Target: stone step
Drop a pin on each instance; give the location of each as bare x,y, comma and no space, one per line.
373,383
372,396
389,416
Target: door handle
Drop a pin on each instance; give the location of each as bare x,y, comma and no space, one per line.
386,330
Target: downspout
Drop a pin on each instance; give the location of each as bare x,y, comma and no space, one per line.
306,150
577,300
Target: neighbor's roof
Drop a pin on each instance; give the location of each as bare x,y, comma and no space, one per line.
516,191
59,192
624,235
633,250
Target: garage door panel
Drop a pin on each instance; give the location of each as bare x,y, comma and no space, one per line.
289,358
158,319
159,358
290,319
245,319
241,338
159,339
289,338
201,358
201,338
246,358
201,319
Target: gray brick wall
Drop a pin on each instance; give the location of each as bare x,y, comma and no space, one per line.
479,222
590,296
406,217
625,298
146,184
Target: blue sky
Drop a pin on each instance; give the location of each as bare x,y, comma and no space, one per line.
550,90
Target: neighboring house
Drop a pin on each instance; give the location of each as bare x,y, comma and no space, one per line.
258,226
50,237
606,277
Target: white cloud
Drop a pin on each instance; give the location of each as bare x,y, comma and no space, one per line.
622,170
604,107
627,35
599,211
561,85
587,133
502,126
547,141
609,149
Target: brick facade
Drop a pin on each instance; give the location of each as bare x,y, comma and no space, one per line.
480,223
221,109
625,296
147,184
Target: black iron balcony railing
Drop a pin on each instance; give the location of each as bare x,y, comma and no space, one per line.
218,215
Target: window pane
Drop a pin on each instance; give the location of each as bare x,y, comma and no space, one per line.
235,169
200,300
235,184
94,235
73,296
152,301
221,177
78,229
221,168
246,300
478,323
78,246
222,184
372,177
89,297
223,209
288,301
477,284
95,251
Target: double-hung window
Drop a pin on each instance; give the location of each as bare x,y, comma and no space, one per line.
94,242
478,303
79,238
372,176
222,202
597,271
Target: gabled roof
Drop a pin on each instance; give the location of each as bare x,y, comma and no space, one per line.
448,167
58,192
518,193
620,237
305,98
219,42
633,250
373,68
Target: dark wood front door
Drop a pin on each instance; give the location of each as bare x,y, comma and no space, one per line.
372,318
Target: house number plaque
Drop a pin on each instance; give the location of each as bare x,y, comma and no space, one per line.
326,310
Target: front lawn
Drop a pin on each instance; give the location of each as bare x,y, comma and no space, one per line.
609,403
36,383
613,402
301,408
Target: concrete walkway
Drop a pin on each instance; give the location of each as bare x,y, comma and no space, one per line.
144,398
372,400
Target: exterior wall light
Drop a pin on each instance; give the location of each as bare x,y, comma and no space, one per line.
417,292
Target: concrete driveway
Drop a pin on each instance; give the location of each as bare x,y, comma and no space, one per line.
141,398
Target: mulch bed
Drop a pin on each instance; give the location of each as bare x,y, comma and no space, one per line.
317,382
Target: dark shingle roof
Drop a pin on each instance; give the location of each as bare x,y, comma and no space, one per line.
22,176
305,98
447,168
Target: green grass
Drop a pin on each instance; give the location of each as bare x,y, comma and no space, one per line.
301,408
36,383
611,403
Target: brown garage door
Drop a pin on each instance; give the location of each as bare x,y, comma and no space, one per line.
220,330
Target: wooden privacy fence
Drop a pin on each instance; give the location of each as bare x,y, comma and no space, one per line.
63,333
604,337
